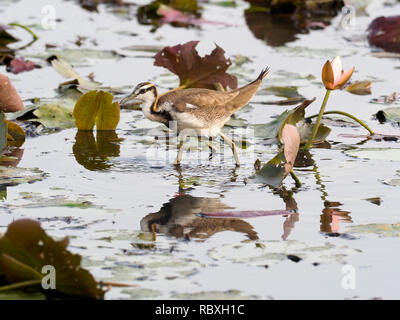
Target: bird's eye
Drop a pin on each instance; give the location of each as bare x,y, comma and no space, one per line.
142,91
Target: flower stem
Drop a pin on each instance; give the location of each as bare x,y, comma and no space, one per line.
346,115
18,285
295,178
316,125
35,37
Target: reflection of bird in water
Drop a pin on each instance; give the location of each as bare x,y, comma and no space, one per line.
179,217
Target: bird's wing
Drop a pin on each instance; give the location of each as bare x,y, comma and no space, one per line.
182,100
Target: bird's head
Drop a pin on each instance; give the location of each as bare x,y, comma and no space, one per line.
145,92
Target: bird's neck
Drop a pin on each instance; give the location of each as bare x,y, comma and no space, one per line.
148,108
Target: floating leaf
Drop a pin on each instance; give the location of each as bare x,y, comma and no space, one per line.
10,101
295,116
305,130
3,132
274,128
384,32
16,135
66,70
389,115
263,253
381,230
361,88
194,71
18,65
10,176
273,172
25,248
54,116
385,154
96,107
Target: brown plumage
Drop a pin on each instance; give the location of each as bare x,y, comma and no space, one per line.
211,103
201,110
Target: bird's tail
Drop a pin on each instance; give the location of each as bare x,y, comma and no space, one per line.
263,74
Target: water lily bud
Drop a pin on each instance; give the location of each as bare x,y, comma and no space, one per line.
333,75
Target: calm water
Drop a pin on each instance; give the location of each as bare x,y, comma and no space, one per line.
105,211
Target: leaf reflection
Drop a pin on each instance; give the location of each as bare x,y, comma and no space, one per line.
93,153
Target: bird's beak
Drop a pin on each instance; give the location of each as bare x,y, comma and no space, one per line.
129,101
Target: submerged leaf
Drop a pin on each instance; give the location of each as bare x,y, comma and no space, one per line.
194,71
25,248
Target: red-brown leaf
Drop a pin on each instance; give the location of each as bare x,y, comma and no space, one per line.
194,71
18,65
384,32
10,101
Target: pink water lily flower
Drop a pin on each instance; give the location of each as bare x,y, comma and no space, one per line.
333,75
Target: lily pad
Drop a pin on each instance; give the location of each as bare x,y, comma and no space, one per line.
385,154
263,253
96,107
389,115
55,116
11,176
83,56
25,248
382,230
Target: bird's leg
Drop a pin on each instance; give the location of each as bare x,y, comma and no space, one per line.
211,148
233,146
180,149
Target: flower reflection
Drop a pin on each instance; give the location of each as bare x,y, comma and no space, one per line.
332,216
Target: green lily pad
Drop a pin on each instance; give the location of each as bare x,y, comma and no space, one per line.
386,154
25,248
96,107
389,115
263,253
285,92
83,56
11,176
3,132
151,267
55,116
382,230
